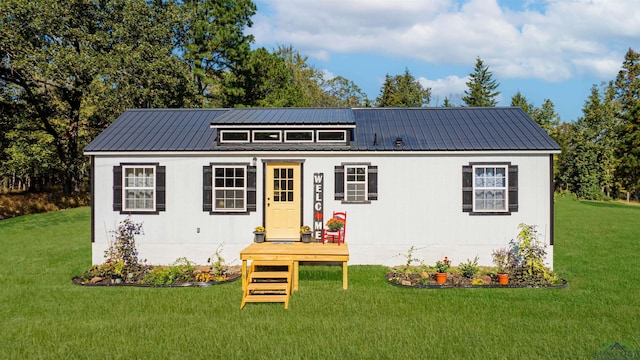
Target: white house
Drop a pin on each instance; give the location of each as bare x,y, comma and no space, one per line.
452,182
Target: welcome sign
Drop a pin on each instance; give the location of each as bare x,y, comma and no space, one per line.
318,206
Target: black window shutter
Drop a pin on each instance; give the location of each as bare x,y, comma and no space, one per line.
117,188
467,188
251,188
513,188
372,182
207,188
161,192
339,182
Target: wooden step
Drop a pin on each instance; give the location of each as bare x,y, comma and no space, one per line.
266,286
266,298
267,282
255,275
271,263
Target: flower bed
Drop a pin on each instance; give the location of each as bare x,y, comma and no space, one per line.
398,276
199,276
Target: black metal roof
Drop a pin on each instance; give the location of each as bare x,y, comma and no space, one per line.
420,129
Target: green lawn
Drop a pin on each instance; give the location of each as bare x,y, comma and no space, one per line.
43,316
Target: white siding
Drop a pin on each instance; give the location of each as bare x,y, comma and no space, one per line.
419,204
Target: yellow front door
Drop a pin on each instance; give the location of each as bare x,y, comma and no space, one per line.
282,201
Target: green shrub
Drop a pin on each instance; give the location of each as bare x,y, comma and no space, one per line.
180,271
470,268
529,253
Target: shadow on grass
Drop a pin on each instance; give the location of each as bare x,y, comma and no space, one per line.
610,205
310,271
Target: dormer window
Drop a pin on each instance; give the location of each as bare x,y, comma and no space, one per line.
266,136
332,135
298,136
303,134
231,136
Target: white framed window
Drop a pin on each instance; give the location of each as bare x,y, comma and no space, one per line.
139,187
331,136
234,136
490,188
267,136
229,188
298,136
355,183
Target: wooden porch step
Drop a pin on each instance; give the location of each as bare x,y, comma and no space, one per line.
256,275
268,282
268,286
266,298
255,263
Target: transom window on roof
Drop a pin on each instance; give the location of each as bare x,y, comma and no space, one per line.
230,136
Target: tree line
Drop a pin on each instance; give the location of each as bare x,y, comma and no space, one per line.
68,69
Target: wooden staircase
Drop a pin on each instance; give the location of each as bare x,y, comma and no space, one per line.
268,281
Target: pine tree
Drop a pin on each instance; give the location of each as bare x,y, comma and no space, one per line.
403,91
481,87
519,100
628,94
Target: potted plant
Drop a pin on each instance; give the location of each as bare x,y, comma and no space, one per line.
501,259
442,266
335,224
305,234
259,234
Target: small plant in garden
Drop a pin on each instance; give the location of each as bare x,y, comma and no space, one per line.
410,259
470,268
442,266
526,261
180,271
203,277
503,259
218,268
121,258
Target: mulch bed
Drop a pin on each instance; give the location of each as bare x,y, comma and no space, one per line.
233,273
456,281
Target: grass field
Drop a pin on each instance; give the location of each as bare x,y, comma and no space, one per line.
42,315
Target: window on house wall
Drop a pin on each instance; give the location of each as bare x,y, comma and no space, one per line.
490,188
229,184
356,183
139,188
229,188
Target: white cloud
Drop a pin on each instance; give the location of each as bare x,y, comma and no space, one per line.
451,87
552,40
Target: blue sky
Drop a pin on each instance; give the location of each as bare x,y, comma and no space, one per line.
553,49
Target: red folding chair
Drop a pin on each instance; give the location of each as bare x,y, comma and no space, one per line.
329,235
